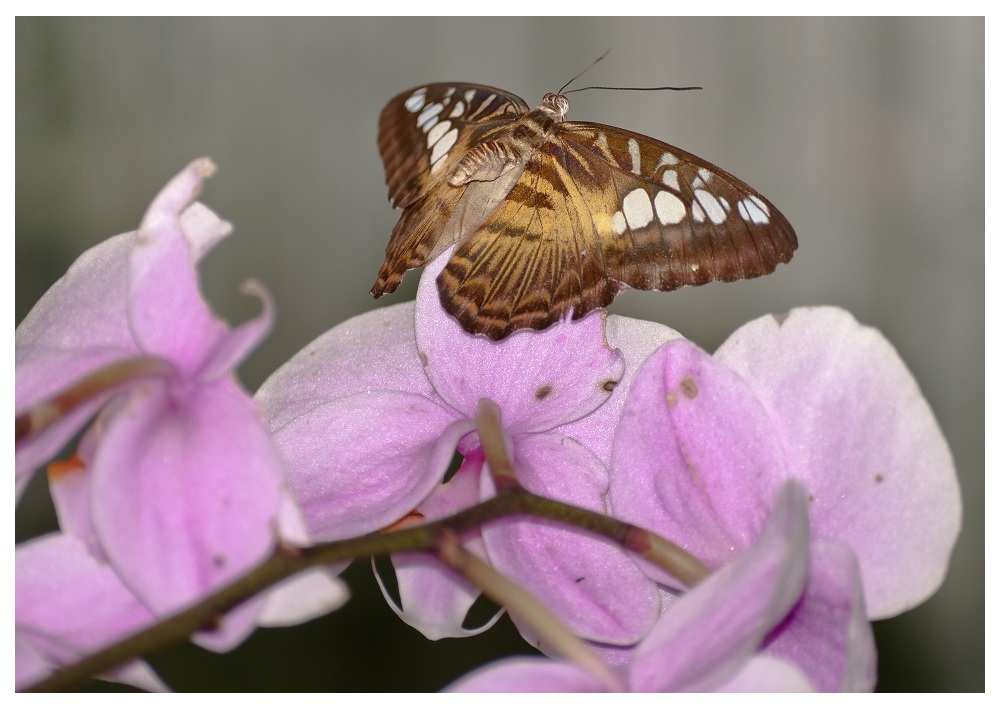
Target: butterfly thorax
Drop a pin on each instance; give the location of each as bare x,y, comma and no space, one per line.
491,159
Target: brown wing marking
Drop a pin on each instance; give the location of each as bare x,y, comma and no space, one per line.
533,260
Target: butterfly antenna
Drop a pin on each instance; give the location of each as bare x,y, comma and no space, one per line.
592,65
637,88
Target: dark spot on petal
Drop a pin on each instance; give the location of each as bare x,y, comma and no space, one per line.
579,579
218,561
671,400
423,359
689,388
609,385
692,471
812,499
543,391
879,478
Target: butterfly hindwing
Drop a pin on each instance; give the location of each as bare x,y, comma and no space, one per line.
535,259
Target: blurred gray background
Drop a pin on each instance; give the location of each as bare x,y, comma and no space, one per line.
868,134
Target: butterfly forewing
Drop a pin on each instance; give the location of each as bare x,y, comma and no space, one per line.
679,220
554,218
422,134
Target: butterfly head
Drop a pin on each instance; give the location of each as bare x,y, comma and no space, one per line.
555,104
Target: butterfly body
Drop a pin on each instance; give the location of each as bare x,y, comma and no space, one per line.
554,218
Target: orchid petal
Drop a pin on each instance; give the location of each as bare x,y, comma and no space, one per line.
67,604
162,270
540,379
763,673
527,674
589,583
696,458
303,597
69,487
828,634
186,491
30,664
864,441
78,326
434,599
81,325
637,340
362,462
707,635
31,454
235,346
372,351
231,629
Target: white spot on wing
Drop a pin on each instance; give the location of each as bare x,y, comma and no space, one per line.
705,175
602,142
669,179
457,110
633,151
435,134
696,212
469,95
750,210
429,112
416,100
711,205
481,108
618,222
441,148
669,209
668,159
760,203
638,209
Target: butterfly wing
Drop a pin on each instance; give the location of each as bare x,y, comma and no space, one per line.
535,258
422,135
597,208
679,219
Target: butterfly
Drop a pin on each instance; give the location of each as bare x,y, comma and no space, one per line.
553,218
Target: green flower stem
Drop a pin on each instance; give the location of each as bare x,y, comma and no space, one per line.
105,380
521,603
286,561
